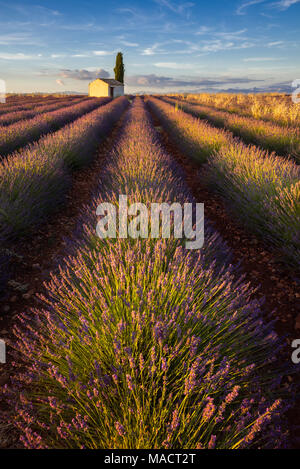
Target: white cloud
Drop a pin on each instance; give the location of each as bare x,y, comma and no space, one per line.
221,41
180,9
261,59
102,52
227,35
60,82
203,30
30,10
241,9
80,27
175,66
151,50
47,11
129,44
157,47
148,51
275,43
281,5
18,56
17,38
285,4
216,45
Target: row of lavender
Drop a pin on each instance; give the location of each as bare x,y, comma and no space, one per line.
141,343
270,136
34,180
15,116
278,108
23,132
263,190
25,103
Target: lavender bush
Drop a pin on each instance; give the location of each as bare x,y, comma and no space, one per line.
33,182
269,135
23,132
15,116
263,189
188,136
24,103
278,108
142,344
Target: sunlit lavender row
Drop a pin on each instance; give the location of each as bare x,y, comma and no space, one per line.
275,107
141,343
23,132
263,190
34,180
284,141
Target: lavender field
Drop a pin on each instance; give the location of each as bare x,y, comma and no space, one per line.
135,341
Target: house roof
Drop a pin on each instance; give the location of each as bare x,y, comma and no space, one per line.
111,81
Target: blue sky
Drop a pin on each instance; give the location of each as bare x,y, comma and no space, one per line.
168,45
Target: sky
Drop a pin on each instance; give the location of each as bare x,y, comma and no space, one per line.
168,45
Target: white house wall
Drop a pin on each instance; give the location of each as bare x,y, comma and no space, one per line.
118,91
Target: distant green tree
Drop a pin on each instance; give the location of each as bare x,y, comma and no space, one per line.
119,68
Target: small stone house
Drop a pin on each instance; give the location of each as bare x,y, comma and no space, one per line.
106,87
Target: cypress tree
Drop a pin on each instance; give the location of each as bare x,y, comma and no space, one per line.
119,68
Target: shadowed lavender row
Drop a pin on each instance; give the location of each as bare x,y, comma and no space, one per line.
34,181
21,133
141,343
263,189
15,116
26,103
